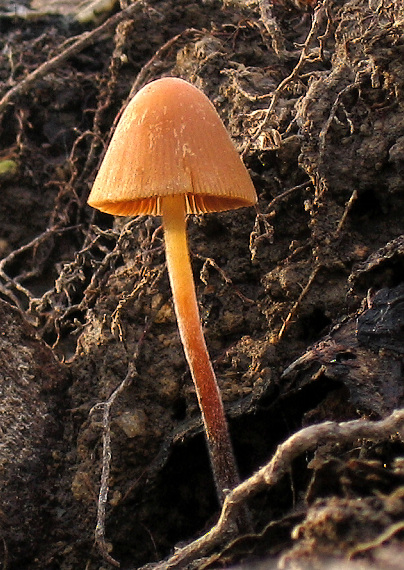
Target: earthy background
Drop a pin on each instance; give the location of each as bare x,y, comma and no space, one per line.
301,298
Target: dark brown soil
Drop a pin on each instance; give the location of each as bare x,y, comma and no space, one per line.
301,298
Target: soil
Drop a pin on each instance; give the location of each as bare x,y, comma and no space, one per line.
301,298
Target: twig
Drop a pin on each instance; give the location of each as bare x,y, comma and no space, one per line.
256,236
151,65
106,463
15,282
5,555
204,276
318,12
107,454
293,310
271,26
348,208
262,231
304,440
283,195
331,117
323,37
79,43
387,534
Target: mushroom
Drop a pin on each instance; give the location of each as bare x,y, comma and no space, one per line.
171,155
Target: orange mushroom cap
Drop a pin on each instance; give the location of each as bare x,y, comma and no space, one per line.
170,140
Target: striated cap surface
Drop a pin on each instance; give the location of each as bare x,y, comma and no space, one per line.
170,140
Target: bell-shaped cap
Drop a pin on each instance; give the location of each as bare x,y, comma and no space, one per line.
170,140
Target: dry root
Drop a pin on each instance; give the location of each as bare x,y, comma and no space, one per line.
302,441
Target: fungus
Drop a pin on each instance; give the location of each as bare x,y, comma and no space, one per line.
171,155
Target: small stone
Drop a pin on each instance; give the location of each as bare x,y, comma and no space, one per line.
133,423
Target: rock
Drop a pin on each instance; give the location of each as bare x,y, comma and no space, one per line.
29,374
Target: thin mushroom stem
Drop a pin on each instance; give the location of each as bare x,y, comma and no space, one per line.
189,325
